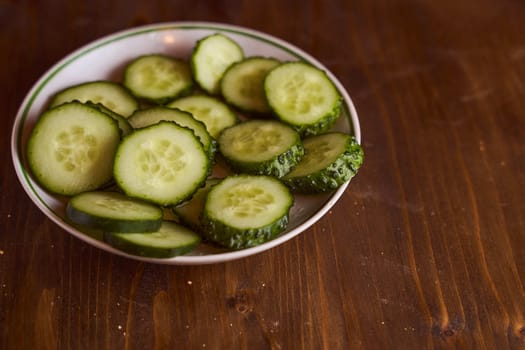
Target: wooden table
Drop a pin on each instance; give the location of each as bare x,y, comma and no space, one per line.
423,251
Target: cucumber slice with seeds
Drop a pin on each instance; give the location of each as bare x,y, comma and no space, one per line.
153,115
163,163
330,160
113,211
170,240
261,147
112,95
71,148
246,210
215,114
158,78
211,56
243,84
303,96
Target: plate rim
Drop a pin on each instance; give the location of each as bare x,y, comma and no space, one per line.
23,173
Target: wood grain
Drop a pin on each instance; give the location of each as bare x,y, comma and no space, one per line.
423,251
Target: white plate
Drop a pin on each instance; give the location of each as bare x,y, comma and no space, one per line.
105,59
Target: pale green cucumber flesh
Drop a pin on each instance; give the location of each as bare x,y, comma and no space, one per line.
71,148
246,210
113,211
123,124
171,239
112,95
303,96
211,56
158,78
163,163
261,147
215,114
243,84
153,115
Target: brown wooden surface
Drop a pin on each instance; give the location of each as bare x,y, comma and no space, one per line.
423,251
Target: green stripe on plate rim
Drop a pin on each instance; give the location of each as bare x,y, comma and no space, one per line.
126,34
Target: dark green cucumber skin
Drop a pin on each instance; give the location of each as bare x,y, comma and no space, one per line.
119,242
278,166
330,178
113,225
230,237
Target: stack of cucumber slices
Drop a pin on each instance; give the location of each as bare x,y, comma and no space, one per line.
124,154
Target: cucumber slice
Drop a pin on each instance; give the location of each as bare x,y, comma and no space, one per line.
163,163
150,116
215,114
112,95
189,213
261,147
123,124
113,211
211,56
330,160
71,148
246,210
303,96
158,78
170,240
243,84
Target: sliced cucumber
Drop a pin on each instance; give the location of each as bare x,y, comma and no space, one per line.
246,210
303,96
158,78
330,160
163,163
112,95
150,116
215,114
113,211
243,84
71,148
211,56
261,147
123,124
170,240
189,213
